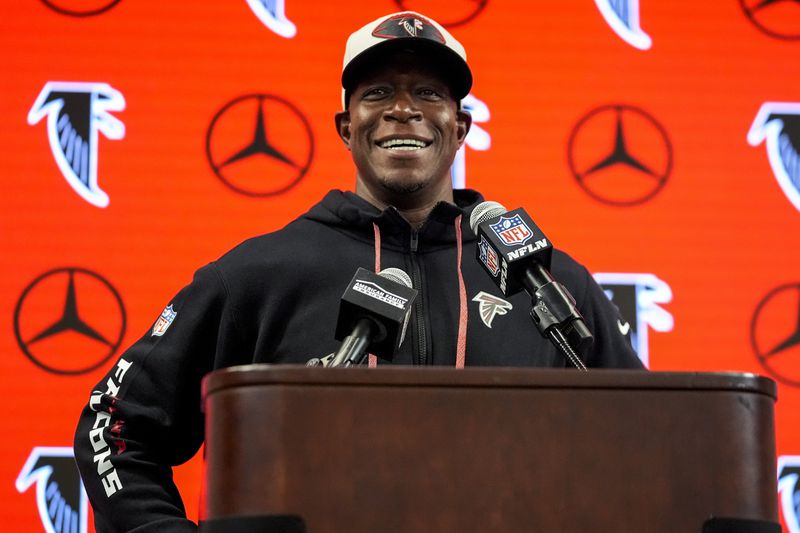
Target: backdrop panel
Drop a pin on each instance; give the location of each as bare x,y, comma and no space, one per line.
656,142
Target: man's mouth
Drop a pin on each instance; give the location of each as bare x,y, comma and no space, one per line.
403,144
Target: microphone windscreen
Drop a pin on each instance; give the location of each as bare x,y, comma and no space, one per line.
483,212
397,275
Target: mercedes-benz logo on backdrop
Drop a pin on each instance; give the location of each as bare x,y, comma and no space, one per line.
448,13
779,19
69,320
80,8
620,155
260,145
775,333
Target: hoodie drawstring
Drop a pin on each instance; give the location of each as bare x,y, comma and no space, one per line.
373,359
461,343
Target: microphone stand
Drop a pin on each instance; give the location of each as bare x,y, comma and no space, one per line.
561,343
354,347
555,314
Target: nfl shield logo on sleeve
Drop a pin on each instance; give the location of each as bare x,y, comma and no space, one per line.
164,321
513,231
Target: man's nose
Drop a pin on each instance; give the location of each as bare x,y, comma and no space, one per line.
403,108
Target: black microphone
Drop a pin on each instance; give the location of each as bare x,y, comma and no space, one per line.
373,315
517,255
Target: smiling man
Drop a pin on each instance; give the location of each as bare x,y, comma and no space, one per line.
275,298
403,127
404,77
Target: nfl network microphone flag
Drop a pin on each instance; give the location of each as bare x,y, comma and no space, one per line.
506,243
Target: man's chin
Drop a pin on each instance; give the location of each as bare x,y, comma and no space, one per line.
403,187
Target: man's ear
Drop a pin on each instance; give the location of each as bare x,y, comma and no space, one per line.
463,123
343,126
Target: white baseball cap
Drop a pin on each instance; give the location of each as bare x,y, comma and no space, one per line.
406,30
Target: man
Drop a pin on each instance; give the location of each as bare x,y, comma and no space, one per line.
275,298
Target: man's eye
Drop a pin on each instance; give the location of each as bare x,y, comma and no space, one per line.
429,93
376,92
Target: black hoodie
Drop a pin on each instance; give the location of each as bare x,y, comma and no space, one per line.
275,299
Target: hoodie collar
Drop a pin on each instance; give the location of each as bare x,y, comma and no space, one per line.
348,212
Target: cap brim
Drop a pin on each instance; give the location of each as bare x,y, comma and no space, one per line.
453,67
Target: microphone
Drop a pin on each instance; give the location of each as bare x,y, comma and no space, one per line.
373,315
517,255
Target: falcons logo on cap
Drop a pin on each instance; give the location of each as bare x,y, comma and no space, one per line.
406,25
411,28
75,112
779,124
788,475
491,306
60,496
623,17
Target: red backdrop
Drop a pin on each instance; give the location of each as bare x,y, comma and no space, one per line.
703,210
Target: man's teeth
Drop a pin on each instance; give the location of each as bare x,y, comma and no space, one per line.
403,144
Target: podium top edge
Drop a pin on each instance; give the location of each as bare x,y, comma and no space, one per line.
478,377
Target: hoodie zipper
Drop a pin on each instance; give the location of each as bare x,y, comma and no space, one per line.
416,276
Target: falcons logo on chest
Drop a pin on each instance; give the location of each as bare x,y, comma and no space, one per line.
490,307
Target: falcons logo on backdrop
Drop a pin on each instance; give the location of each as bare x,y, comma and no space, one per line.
623,17
271,13
60,496
779,124
637,297
75,112
789,491
477,139
491,306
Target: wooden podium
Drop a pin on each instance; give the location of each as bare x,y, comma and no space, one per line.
407,449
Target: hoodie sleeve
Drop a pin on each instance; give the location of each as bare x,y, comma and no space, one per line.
144,416
611,347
